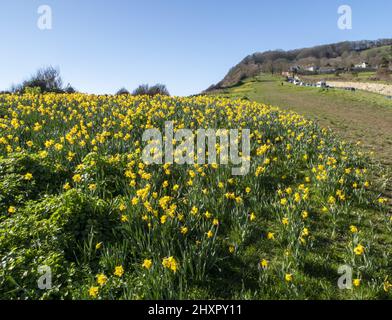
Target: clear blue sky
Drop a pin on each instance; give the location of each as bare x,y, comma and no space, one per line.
101,46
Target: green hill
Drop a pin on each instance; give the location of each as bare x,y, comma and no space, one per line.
343,55
354,116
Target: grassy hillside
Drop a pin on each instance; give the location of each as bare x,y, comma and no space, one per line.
77,197
378,51
341,55
367,77
354,116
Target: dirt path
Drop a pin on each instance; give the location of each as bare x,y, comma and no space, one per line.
379,88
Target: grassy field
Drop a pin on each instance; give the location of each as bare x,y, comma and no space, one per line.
77,198
359,77
354,116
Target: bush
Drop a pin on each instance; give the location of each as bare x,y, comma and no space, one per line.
145,89
47,233
15,189
109,170
69,89
122,91
27,242
159,89
47,79
141,90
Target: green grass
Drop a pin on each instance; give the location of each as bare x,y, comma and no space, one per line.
368,77
76,196
354,116
385,50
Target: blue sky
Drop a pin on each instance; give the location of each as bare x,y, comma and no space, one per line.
188,45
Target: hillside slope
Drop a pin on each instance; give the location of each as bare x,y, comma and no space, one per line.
339,55
77,196
354,116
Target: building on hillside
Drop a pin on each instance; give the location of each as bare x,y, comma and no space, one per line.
311,68
363,65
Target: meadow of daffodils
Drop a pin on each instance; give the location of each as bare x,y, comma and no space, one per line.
83,217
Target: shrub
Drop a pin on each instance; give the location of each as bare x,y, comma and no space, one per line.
141,90
109,170
47,233
122,91
47,79
15,189
159,89
145,89
69,89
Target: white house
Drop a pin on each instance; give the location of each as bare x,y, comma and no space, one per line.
311,68
362,65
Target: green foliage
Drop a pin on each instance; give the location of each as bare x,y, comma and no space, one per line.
145,89
16,189
47,233
76,196
33,90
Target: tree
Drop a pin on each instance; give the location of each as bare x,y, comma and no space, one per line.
47,79
145,89
69,89
159,89
383,69
141,90
281,65
122,91
269,67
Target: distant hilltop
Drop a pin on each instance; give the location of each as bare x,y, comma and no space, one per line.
348,55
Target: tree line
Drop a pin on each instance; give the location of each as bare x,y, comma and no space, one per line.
48,79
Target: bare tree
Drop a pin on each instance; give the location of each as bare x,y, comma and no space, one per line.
145,89
159,89
141,90
47,79
122,91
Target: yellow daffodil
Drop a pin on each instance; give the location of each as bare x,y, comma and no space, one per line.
359,250
270,236
11,210
119,271
28,176
353,229
357,282
288,277
93,292
184,230
101,279
264,264
147,264
170,263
